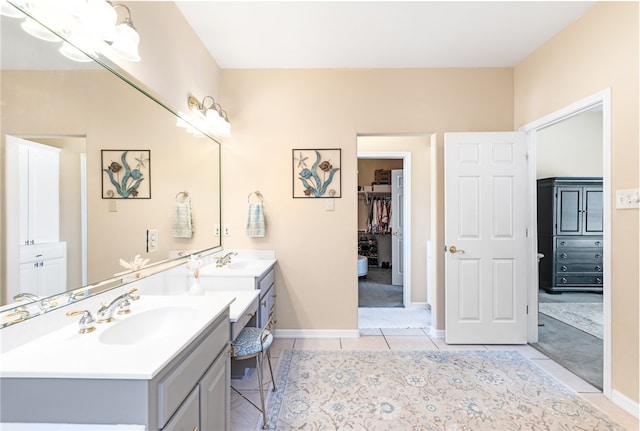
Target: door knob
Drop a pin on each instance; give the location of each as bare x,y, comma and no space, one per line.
453,249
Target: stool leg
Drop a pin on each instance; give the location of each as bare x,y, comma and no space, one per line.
273,381
265,425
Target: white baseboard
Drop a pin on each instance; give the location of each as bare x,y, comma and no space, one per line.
316,333
625,403
418,305
437,333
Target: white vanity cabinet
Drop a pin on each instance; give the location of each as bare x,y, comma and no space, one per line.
190,392
43,268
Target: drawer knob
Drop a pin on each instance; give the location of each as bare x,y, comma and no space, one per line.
598,280
598,243
563,255
564,267
563,243
598,268
597,255
563,280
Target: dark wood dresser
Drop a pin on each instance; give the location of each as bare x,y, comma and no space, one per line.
570,234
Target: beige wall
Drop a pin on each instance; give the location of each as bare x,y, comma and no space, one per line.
275,111
558,145
600,51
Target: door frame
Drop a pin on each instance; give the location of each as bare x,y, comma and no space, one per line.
602,98
406,223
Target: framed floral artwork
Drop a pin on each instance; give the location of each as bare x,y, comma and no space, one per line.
316,173
126,174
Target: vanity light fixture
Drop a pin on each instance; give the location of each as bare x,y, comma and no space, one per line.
210,117
91,26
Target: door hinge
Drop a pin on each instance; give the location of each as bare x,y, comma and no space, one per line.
526,155
526,232
527,309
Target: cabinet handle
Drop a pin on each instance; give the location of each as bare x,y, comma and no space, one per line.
564,267
564,280
598,243
597,255
35,265
563,243
563,255
264,303
598,280
598,268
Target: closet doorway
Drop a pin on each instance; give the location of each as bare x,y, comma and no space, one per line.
380,233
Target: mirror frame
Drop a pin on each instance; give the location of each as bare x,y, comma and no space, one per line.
54,302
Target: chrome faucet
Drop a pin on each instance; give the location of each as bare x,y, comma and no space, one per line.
43,304
105,313
223,260
26,295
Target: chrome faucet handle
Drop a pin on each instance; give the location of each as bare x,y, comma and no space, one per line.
22,313
86,323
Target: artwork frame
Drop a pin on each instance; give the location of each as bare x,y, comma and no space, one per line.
316,173
126,174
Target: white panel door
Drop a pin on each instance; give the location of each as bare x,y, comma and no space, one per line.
397,217
485,235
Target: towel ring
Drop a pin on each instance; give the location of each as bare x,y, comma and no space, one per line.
183,196
256,194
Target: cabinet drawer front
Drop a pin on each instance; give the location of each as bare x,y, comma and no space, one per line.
570,267
593,255
579,280
266,281
176,385
578,242
267,302
39,252
242,321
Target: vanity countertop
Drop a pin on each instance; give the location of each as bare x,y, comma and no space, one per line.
64,353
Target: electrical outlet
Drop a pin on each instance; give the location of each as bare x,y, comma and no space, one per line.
629,198
226,230
152,240
216,230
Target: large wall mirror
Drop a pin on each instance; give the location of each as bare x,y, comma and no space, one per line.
90,115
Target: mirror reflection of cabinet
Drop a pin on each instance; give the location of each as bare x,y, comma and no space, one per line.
43,268
39,178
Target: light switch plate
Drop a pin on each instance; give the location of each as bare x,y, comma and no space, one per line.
628,198
152,240
226,230
217,230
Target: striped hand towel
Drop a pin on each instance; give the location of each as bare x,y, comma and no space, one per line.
182,226
255,221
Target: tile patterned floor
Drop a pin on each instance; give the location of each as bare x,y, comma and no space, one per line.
245,417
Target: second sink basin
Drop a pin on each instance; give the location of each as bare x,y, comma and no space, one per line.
149,325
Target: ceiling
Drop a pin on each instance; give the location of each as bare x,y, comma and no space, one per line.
376,34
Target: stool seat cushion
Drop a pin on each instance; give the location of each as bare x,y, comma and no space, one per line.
248,342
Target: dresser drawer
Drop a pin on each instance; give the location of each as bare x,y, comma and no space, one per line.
578,280
570,267
593,255
562,243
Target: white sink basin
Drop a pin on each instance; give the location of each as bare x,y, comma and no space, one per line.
241,265
149,325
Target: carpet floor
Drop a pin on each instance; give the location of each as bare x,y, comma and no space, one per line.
376,290
418,390
575,349
584,316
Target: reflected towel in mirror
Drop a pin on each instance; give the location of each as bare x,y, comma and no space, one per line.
182,226
255,221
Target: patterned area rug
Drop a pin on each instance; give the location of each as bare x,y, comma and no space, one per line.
585,316
418,390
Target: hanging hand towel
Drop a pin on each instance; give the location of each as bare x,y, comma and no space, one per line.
255,221
182,226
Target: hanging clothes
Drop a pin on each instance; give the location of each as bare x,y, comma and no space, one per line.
379,219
